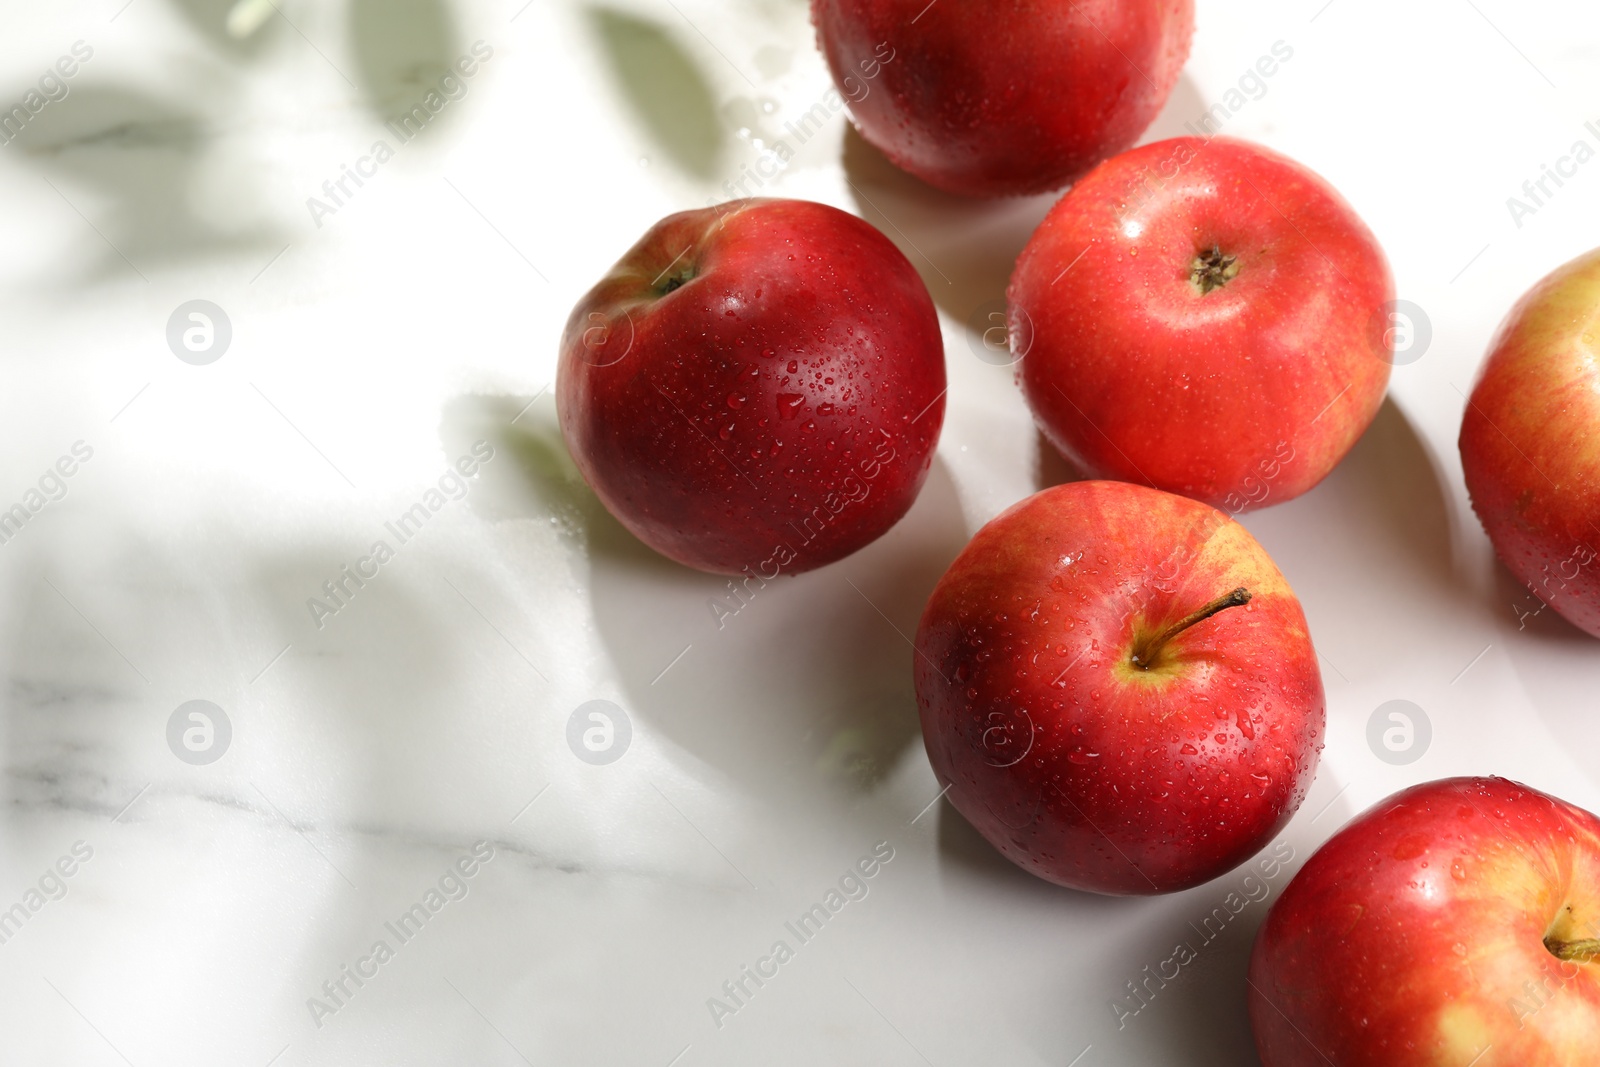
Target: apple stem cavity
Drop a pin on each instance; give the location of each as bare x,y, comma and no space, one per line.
1212,270
674,281
1585,951
1145,652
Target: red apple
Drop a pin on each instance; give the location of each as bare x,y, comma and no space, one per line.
997,100
1206,317
1530,442
756,387
1117,686
1453,924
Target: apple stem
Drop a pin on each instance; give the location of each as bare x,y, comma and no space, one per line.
1144,656
1579,951
1212,270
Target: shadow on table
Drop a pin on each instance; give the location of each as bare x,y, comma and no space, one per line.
140,629
1184,107
128,165
808,677
1391,473
144,165
404,50
400,49
964,248
1377,537
663,86
1050,467
210,18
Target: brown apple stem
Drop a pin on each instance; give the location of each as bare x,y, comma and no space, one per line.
1212,270
1145,655
1584,951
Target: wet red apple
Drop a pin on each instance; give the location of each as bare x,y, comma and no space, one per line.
1453,924
1530,442
989,100
1117,686
756,387
1206,317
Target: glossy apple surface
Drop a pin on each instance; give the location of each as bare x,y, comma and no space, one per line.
1454,923
1082,750
755,388
995,100
1530,442
1206,317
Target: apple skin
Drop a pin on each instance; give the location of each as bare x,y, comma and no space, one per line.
1415,937
1134,373
1076,764
1530,442
756,387
983,102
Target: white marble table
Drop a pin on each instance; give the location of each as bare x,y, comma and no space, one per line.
398,770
